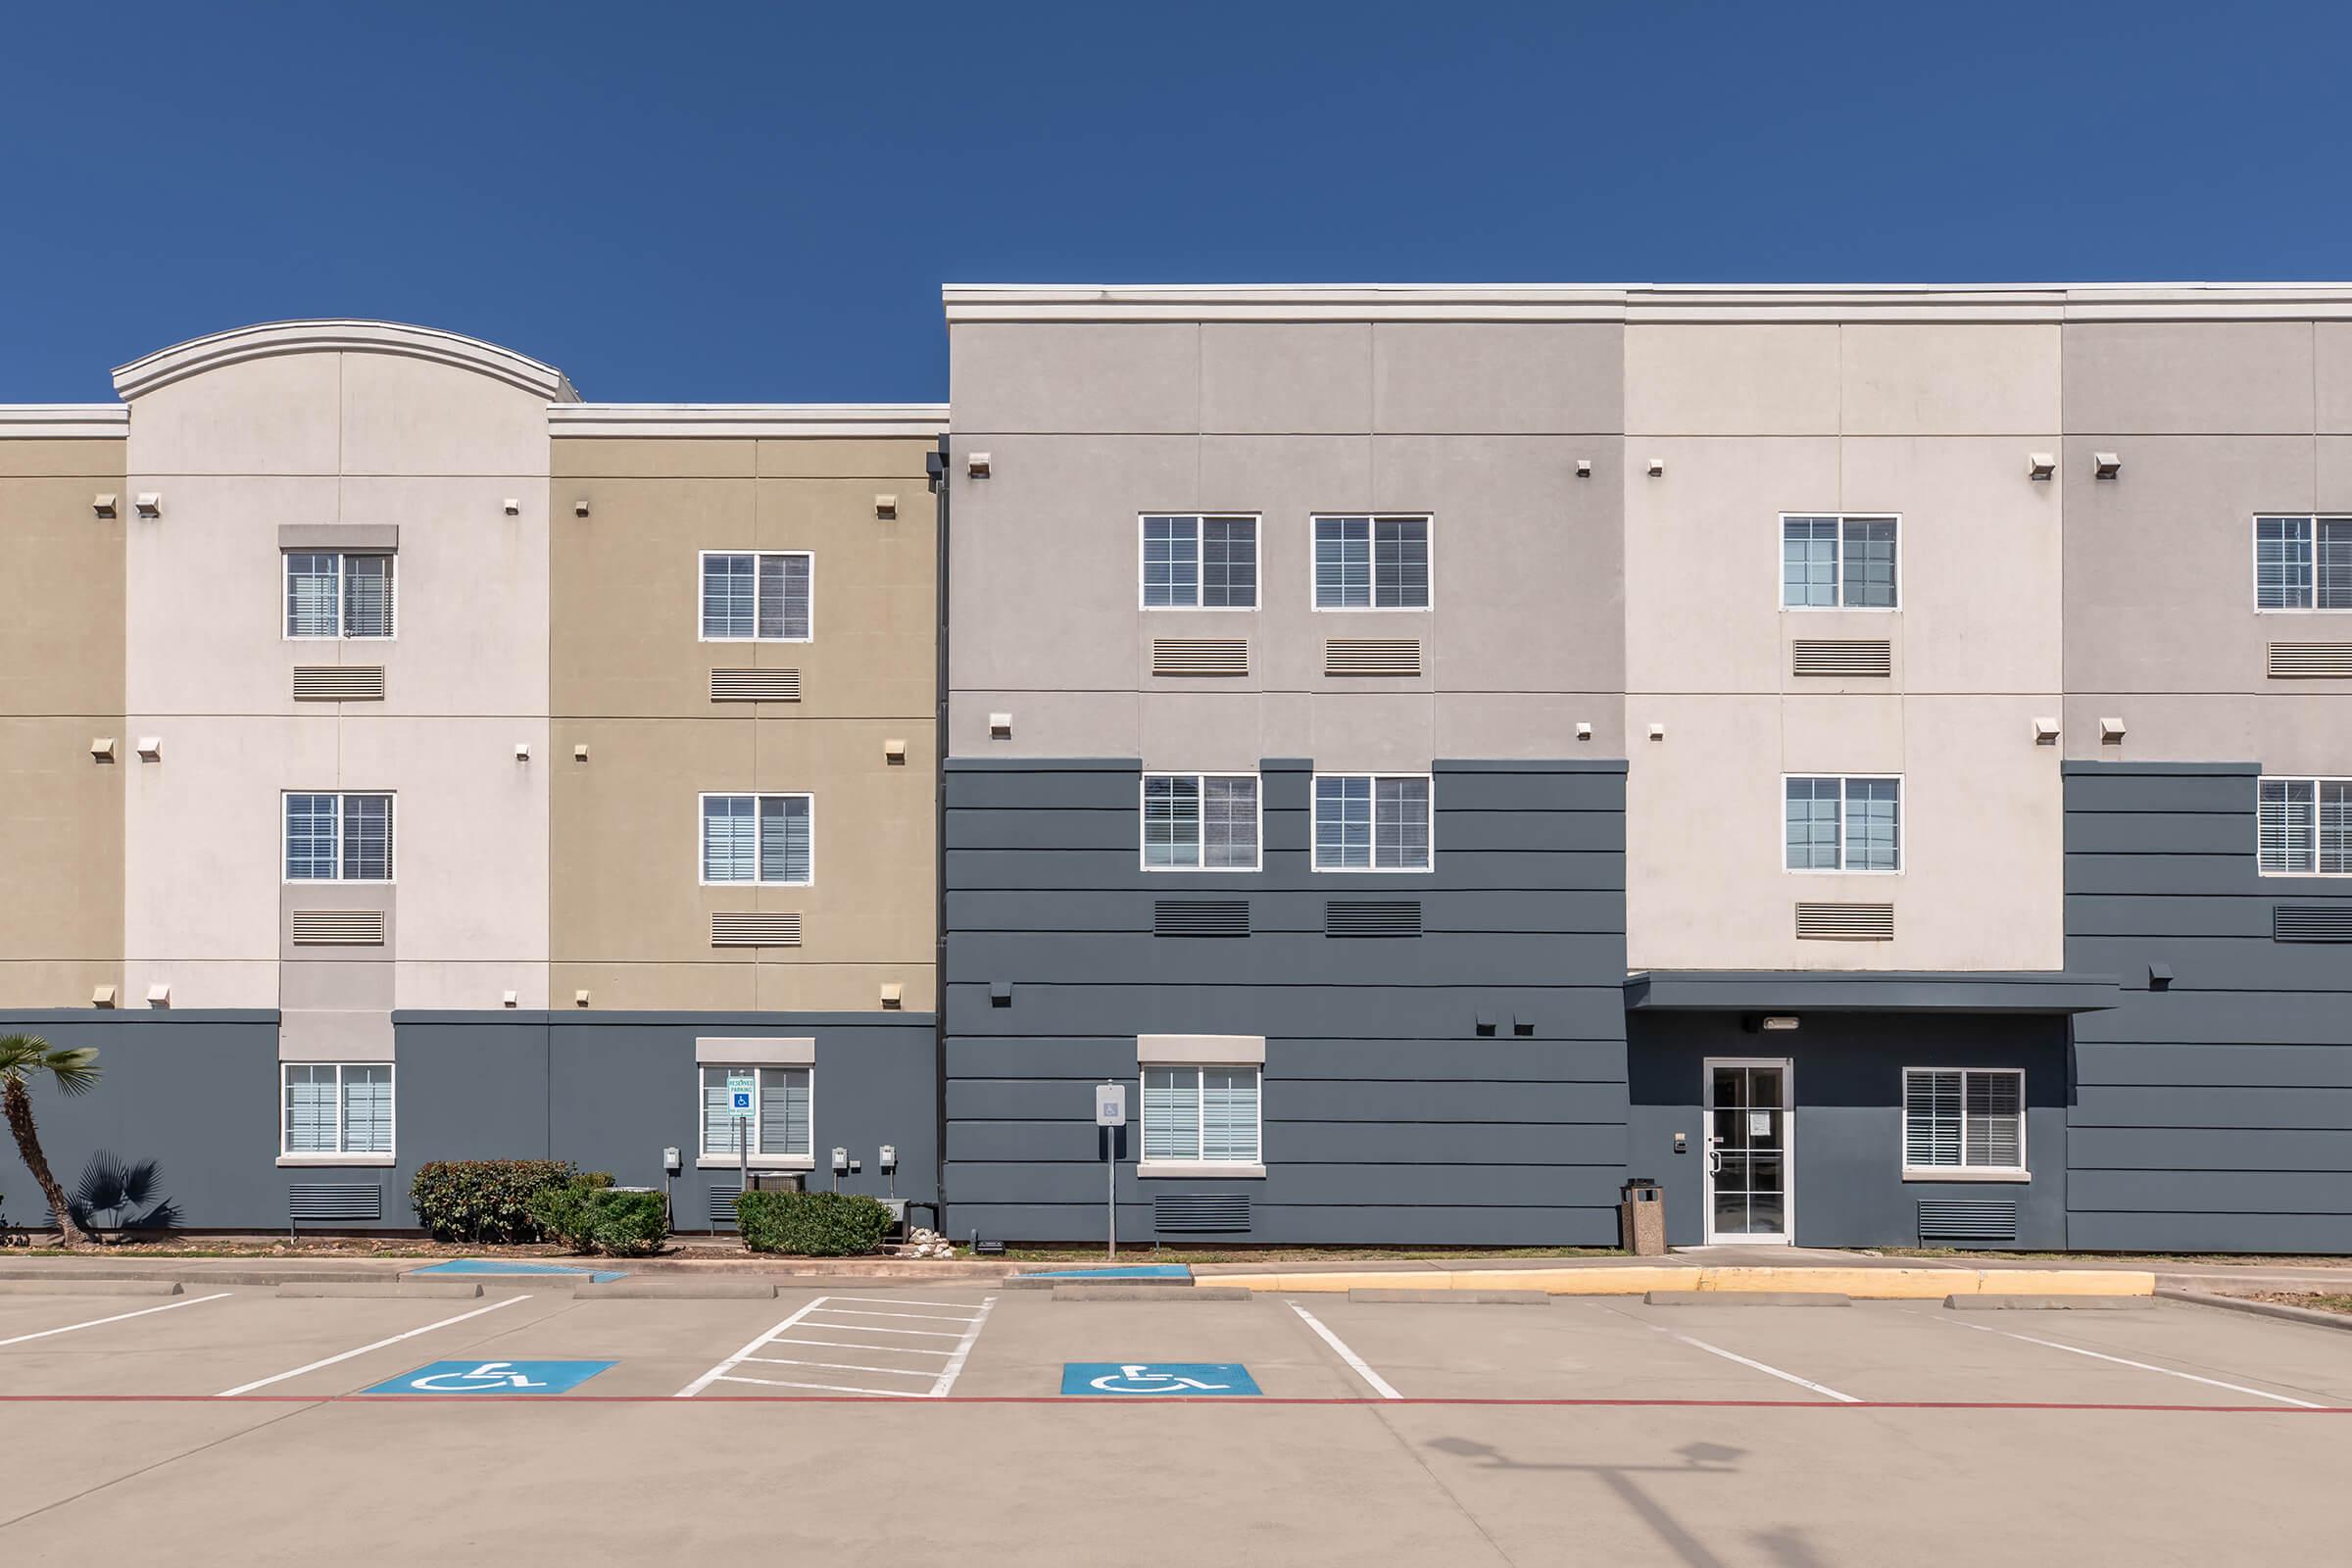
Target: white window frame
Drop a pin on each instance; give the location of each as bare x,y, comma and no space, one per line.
2021,1171
341,1154
2254,562
1780,564
1197,1165
1257,564
1427,520
1143,848
1314,828
700,847
1902,831
729,1159
391,827
2318,848
700,565
343,558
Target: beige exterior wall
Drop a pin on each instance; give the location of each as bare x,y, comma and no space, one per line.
61,687
631,920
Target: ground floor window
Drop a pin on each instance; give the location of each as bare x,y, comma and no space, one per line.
337,1107
778,1126
1200,1115
1964,1119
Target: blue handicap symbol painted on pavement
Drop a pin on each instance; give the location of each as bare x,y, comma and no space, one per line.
1180,1379
492,1377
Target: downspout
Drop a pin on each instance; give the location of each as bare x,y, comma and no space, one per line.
935,465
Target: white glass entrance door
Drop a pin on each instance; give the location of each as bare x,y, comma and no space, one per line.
1749,1149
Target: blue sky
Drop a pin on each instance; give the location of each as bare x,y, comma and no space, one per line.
724,203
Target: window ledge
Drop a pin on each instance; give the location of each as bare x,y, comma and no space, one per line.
759,1162
315,1162
1196,1168
1913,1173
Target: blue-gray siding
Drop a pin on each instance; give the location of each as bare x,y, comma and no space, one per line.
1465,1086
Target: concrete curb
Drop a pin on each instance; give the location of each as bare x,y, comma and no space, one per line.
1861,1284
76,1286
1071,1292
1047,1282
1721,1297
635,1289
2278,1309
2048,1303
1372,1295
383,1290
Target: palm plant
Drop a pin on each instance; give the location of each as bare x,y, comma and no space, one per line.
74,1071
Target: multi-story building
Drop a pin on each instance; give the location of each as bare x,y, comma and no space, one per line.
408,761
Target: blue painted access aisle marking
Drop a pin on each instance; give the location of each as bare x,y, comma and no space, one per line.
1197,1380
491,1377
504,1265
1124,1272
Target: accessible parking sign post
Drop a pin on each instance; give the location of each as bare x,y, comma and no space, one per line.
1111,1115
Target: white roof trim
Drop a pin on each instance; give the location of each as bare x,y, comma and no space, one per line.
199,355
1647,302
927,420
63,420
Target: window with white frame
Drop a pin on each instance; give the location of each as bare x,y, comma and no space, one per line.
1838,562
2303,828
1372,822
1200,1115
1376,563
1199,562
757,596
758,838
338,594
1964,1119
778,1126
336,1107
338,838
2303,563
1201,821
1844,824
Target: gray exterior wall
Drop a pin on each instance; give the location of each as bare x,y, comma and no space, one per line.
1388,1116
198,1093
2216,1111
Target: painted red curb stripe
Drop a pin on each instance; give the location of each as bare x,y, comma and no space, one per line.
1150,1400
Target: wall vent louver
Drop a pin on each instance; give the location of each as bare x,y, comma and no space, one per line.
1372,656
2311,922
760,928
327,1201
337,928
1199,656
1372,918
338,683
1851,657
755,685
721,1210
2308,660
1845,922
1201,917
1202,1213
1968,1219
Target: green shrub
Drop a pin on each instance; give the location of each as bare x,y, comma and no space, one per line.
483,1199
587,1216
812,1224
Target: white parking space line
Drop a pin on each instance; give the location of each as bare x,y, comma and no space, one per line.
826,1388
193,1301
963,1350
1378,1384
869,1328
852,1345
897,1300
841,1366
787,1335
1821,1389
2144,1366
931,1317
263,1383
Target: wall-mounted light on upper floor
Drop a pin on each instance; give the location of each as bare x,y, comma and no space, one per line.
1584,468
1000,726
579,998
513,506
159,995
102,995
508,998
151,747
2106,465
2045,732
1657,467
891,992
522,750
885,507
1584,730
1658,732
2111,731
2041,465
149,503
894,752
579,507
579,753
101,506
976,464
102,749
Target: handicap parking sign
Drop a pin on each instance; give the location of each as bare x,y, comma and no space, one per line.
492,1377
1197,1380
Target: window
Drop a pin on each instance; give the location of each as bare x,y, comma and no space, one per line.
757,598
2304,827
1963,1119
1201,563
338,594
337,1108
2303,563
1200,822
1200,1115
758,838
1844,824
1372,822
1838,562
338,838
1371,562
779,1124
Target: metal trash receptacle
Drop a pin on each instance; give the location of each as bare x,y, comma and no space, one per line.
1641,1218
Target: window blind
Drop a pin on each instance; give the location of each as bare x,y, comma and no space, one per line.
1229,562
313,595
1172,820
310,1110
366,1108
1171,1113
368,596
1808,561
729,595
1964,1118
1229,1114
1171,562
784,1112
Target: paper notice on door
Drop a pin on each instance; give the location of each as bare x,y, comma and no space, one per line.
1759,1124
